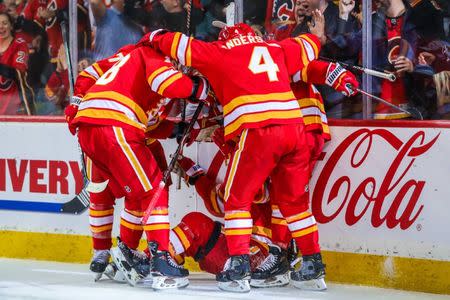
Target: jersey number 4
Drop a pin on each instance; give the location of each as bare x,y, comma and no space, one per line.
262,62
112,72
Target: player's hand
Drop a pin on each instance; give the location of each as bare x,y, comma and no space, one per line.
191,170
70,112
200,90
341,80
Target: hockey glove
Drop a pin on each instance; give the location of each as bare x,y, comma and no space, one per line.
200,90
341,80
191,170
70,112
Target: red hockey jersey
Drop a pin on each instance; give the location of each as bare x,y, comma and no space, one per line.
250,77
87,78
125,94
13,90
52,26
313,110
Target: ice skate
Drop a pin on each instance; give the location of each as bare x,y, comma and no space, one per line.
113,273
99,262
273,271
166,273
311,275
236,275
133,264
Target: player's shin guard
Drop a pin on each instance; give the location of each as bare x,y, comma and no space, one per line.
130,227
101,219
304,230
157,228
311,274
238,230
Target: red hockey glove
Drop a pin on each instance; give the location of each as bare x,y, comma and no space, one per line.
341,80
70,113
200,90
191,170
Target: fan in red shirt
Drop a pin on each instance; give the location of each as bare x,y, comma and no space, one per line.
251,79
16,97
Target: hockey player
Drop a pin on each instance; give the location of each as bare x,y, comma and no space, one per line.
111,121
101,208
251,80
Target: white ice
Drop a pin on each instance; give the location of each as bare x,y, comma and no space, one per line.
39,280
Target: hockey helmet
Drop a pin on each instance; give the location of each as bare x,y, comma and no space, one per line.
230,32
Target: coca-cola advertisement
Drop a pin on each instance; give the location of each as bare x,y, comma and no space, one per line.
384,190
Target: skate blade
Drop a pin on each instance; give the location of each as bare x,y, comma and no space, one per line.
130,274
97,276
275,281
146,282
165,283
237,286
114,274
310,285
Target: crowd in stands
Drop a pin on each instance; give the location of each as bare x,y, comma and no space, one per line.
410,38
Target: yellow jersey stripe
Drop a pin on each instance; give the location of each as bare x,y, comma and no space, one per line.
258,117
132,159
168,82
156,73
304,232
180,234
130,225
175,43
157,227
101,213
99,113
234,164
297,217
114,96
247,99
101,228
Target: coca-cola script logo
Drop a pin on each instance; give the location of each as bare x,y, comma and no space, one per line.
358,197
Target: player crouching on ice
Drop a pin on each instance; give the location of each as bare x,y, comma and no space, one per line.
111,120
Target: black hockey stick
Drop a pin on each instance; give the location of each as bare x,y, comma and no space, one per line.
172,163
81,201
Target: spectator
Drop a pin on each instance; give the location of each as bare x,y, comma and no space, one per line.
113,28
51,17
16,97
394,41
172,15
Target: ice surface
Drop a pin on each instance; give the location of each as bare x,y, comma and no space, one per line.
38,280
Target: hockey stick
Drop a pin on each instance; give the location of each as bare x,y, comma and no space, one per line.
388,76
173,161
413,112
81,201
